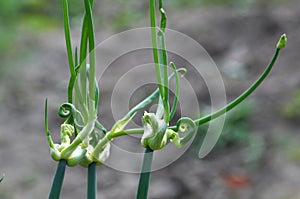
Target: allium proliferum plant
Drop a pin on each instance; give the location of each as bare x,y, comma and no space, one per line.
85,141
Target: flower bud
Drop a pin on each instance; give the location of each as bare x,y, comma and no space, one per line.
155,136
282,42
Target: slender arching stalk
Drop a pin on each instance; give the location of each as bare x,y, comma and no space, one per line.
243,96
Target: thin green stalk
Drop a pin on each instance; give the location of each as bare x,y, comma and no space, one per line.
129,132
144,181
120,124
164,70
83,54
154,44
177,92
243,96
69,49
82,58
58,180
163,59
92,69
92,182
68,36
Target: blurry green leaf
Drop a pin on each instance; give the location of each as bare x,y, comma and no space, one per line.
1,178
255,149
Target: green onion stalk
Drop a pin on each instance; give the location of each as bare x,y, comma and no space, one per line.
159,136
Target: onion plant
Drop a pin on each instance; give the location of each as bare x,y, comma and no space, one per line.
85,141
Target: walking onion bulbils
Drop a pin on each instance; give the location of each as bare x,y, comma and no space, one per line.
80,141
80,150
156,133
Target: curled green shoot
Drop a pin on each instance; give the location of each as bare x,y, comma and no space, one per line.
47,131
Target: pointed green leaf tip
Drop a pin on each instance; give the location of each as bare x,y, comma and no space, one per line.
282,41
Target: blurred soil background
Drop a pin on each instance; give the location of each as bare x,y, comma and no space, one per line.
258,154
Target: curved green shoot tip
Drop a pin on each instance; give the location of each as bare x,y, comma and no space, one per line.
282,42
175,101
1,178
47,131
251,89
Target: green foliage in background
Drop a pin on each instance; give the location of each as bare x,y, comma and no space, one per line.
291,109
234,3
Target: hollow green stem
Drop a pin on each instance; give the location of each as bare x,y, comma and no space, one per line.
58,180
120,124
144,180
163,59
92,181
68,36
177,92
129,132
154,45
69,49
92,69
243,96
83,55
